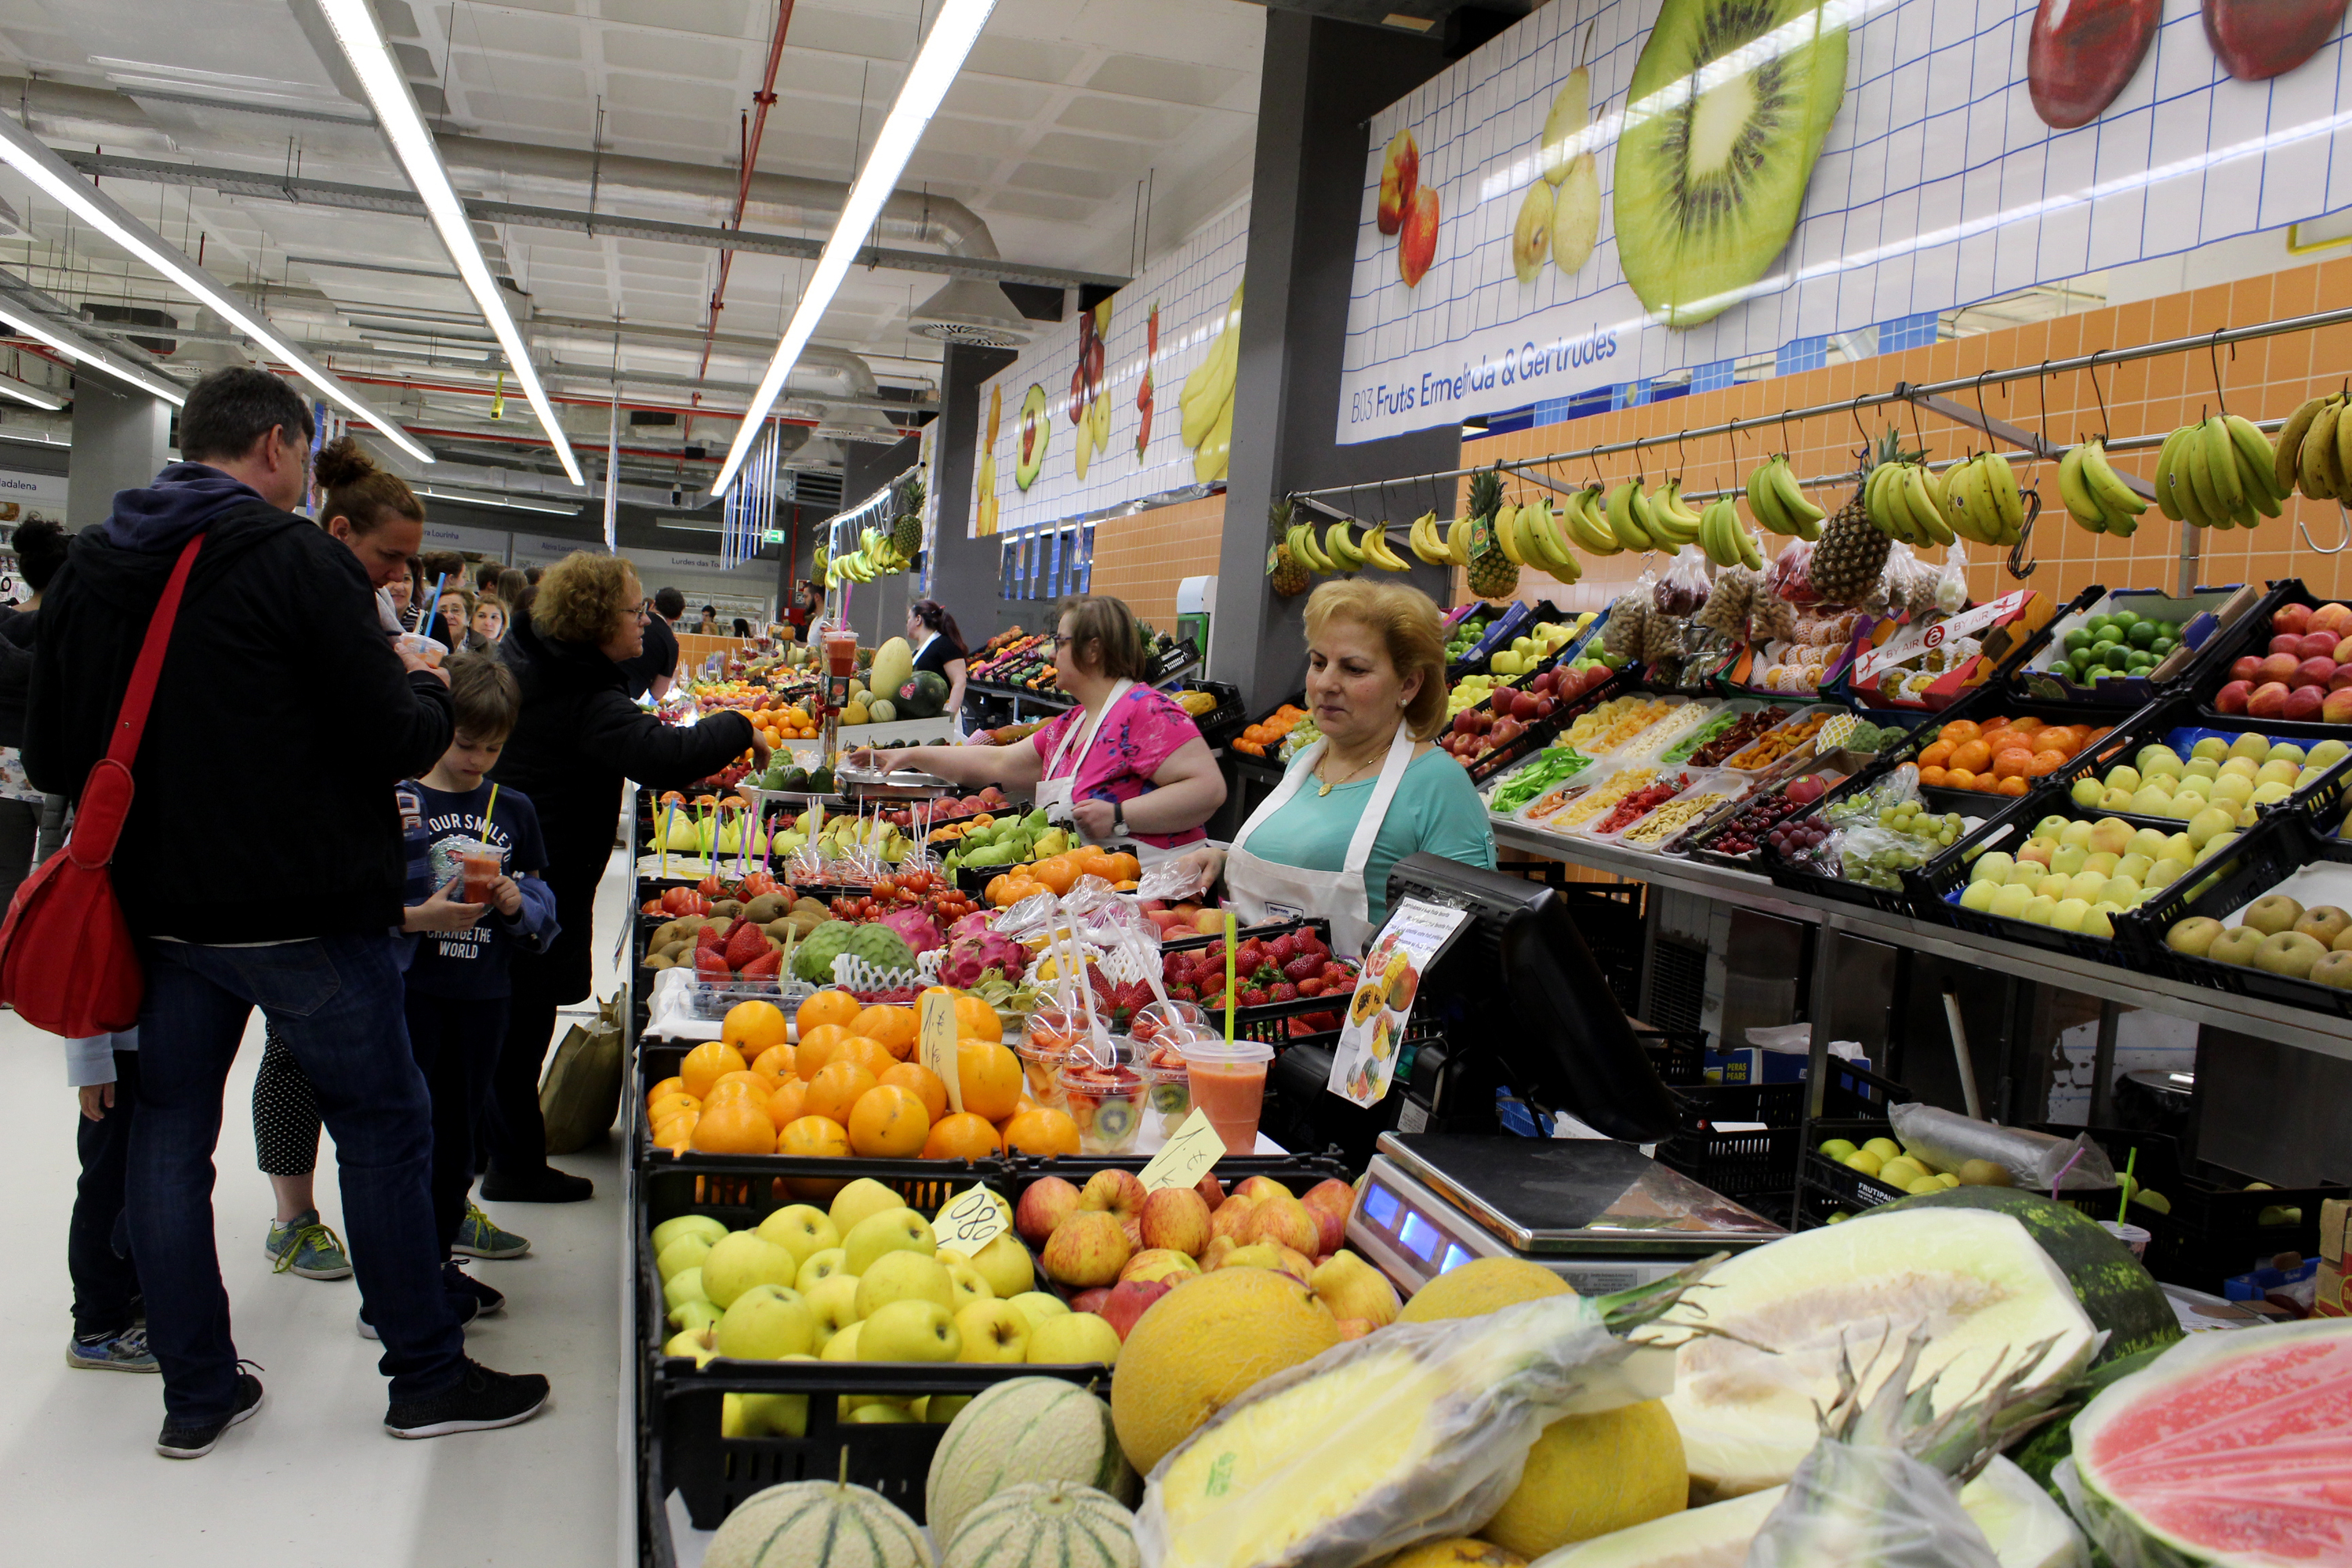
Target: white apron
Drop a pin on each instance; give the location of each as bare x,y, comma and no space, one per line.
1261,889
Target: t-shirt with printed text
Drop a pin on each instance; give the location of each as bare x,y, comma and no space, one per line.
472,963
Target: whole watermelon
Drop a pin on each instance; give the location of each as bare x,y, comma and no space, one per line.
924,695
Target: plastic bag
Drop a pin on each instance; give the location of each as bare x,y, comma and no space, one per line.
1791,572
1852,1507
1629,618
1730,603
1684,589
1952,579
2033,1158
1169,879
1271,1478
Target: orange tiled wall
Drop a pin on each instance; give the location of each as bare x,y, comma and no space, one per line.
1142,558
2265,380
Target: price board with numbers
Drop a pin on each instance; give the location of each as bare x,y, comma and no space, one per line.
973,1218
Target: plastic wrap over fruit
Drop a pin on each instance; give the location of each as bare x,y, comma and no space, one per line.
2032,1160
1683,590
1855,1507
1791,574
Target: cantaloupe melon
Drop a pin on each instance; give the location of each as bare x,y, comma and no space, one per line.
1051,1524
1201,1346
1975,1278
817,1524
1030,1429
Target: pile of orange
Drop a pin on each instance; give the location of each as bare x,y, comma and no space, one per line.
2001,756
849,1087
1057,874
1270,730
781,724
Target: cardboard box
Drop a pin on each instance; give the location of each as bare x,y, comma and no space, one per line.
2333,1300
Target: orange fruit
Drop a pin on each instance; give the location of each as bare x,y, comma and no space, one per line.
754,1026
975,1018
817,1048
825,1007
2013,763
677,1135
894,1027
2045,763
1985,784
835,1089
788,1104
1937,753
862,1052
1959,730
818,1137
2015,785
706,1062
1959,778
735,1127
1126,867
669,1105
961,1136
922,1083
2060,738
775,1063
1040,1132
1932,777
732,1085
2025,726
1095,861
992,1077
1971,757
1056,874
890,1123
667,1085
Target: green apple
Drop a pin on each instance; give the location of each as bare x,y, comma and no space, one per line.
2211,749
2202,789
700,1225
992,1331
861,1200
694,1342
1992,867
2201,768
939,1409
2103,862
2100,921
2159,760
741,1259
2287,750
2242,768
685,1252
834,1303
2087,792
2040,907
695,1317
2053,887
1074,1339
911,1329
681,1287
2151,802
2269,794
905,1276
2207,823
2068,859
842,1346
2075,832
2027,874
2086,886
2123,890
2327,754
899,1229
2117,800
1004,1264
2146,841
966,1283
766,1415
2009,902
819,1267
2236,945
1039,1305
802,1229
881,1412
1836,1148
1979,896
768,1322
2068,915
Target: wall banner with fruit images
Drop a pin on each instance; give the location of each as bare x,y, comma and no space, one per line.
1613,190
1131,400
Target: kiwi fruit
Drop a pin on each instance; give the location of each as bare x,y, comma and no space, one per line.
1708,184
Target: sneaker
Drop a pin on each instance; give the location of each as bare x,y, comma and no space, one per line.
477,1402
302,1246
125,1351
462,1302
457,1282
545,1185
180,1441
479,1237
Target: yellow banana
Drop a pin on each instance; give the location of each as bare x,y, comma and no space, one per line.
2290,443
1791,498
1623,524
2311,461
1763,503
1506,530
1921,500
1589,533
2170,481
1457,540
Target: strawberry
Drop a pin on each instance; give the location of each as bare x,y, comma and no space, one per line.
767,966
1323,1021
1253,997
1311,986
1284,992
708,936
1334,973
1302,967
1252,954
1183,993
747,942
709,963
1284,949
1310,943
1134,996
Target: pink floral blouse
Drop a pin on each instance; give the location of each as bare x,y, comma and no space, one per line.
1139,734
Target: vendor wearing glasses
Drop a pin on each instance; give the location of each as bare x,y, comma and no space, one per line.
1373,790
1126,765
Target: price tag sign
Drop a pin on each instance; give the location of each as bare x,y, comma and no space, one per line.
1191,1150
970,1223
936,1042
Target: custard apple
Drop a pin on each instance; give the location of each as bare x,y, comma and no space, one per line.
813,959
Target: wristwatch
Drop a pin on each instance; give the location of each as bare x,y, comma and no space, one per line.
1118,818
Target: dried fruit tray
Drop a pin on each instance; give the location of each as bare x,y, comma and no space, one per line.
1785,740
1657,828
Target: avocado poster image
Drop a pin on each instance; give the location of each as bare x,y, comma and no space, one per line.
1129,401
1655,194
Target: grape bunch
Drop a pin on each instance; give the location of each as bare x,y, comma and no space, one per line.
1793,841
1907,838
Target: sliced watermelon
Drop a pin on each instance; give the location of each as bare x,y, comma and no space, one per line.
2233,1448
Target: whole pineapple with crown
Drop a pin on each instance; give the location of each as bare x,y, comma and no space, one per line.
1493,574
906,531
1283,567
1851,552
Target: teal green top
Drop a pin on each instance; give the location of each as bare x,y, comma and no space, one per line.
1435,811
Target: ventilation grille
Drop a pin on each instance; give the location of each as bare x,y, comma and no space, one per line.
1677,986
817,488
969,335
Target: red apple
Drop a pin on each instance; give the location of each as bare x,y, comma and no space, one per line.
2318,644
1417,245
2306,703
1212,1191
2280,668
2329,618
1113,1192
2294,619
1399,176
2249,667
1090,1300
2314,672
1176,1218
2336,708
1048,1201
2341,679
1129,1300
2231,698
2268,701
2288,643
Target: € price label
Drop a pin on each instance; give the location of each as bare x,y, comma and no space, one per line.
936,1040
1191,1150
970,1223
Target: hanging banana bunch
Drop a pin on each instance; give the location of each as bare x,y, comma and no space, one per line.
1983,503
1779,504
1906,500
1724,540
2223,472
2096,497
2315,451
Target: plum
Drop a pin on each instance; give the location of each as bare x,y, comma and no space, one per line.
2083,53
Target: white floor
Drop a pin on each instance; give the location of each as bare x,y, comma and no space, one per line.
313,1478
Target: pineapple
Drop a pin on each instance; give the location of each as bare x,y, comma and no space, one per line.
906,532
1851,552
1492,574
1283,566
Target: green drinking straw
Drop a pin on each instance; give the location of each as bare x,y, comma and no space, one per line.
2123,1205
1229,978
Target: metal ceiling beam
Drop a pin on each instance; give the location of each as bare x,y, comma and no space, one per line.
301,192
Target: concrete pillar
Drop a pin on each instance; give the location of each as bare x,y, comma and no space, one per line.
121,439
1322,79
964,575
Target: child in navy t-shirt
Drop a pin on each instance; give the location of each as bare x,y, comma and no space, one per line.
459,951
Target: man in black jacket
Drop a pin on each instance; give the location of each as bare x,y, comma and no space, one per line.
284,894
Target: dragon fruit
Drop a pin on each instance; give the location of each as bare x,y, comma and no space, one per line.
970,958
972,924
916,927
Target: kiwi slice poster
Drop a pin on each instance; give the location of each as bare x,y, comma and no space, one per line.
1653,194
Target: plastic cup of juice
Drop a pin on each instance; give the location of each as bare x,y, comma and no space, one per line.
2133,1236
1042,1057
840,653
479,865
424,647
1228,1082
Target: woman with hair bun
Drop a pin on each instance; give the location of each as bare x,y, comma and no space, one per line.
374,513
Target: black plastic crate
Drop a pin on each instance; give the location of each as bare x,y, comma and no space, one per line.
1737,1164
1542,732
1853,1190
1935,889
2251,635
1994,701
2273,851
2178,724
1678,1056
1850,1092
1176,657
1228,719
2121,694
1299,1172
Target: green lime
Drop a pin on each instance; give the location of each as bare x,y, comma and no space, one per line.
2098,624
2076,639
2143,633
2124,620
2162,648
2170,629
2080,658
2140,660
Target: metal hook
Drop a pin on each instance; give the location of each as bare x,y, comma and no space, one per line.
1682,458
2304,529
2019,567
2041,384
1853,412
1986,418
2213,352
2106,423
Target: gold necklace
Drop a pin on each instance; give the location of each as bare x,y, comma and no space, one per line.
1329,784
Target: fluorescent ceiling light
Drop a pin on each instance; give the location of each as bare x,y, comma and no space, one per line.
507,505
25,392
30,157
936,64
370,55
83,354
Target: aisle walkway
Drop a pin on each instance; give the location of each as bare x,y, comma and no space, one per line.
313,1478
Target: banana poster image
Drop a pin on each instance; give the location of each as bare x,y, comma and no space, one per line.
1130,400
1694,192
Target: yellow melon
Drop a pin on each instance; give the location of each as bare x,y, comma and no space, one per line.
1589,1475
1201,1346
1480,1286
1462,1552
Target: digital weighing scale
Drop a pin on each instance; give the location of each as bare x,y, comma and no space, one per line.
1594,1212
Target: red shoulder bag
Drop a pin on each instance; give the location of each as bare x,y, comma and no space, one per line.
66,961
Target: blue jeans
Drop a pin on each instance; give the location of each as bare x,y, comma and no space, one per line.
455,1042
338,1002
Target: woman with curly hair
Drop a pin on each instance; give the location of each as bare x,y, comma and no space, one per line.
579,737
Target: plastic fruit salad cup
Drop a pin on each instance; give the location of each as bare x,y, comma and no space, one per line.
1104,1084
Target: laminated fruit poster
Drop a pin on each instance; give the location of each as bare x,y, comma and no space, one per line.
1381,1007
